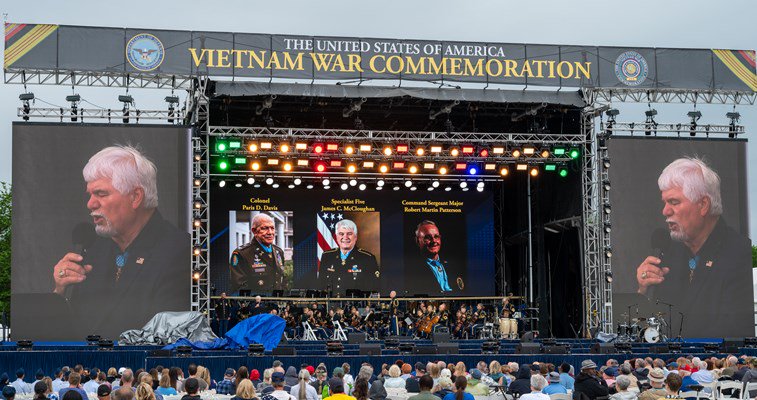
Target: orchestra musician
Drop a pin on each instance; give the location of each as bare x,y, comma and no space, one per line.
479,319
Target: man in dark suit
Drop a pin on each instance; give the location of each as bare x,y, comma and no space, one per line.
138,266
436,275
259,265
348,266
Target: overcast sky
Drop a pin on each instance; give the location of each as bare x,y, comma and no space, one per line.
693,24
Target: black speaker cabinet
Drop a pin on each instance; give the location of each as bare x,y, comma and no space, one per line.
528,348
556,349
356,338
370,349
284,351
603,348
440,337
448,348
425,349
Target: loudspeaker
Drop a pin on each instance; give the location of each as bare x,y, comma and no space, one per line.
440,337
425,349
602,348
356,338
448,348
556,349
528,348
731,345
159,353
660,349
284,351
370,349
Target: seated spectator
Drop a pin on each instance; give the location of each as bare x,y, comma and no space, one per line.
103,392
394,380
245,391
144,392
9,392
303,390
443,388
672,386
609,374
461,384
425,384
657,389
336,390
589,385
495,373
360,390
377,391
406,371
554,386
165,388
621,387
522,383
74,384
475,386
192,387
537,384
279,392
226,386
255,377
412,385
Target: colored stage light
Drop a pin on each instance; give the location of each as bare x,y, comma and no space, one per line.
563,172
413,169
240,160
303,163
398,165
516,153
368,164
254,165
472,171
273,161
534,171
461,166
544,153
284,148
301,146
529,151
454,152
383,168
287,166
332,147
266,145
223,165
558,151
318,148
521,167
235,144
504,171
498,150
335,163
221,146
490,167
351,168
429,165
442,170
387,151
436,149
420,151
550,167
349,149
402,148
320,167
365,148
483,153
253,147
574,153
467,149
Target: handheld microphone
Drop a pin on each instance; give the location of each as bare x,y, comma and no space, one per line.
82,237
660,242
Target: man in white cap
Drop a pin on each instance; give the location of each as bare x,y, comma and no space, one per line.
656,379
589,385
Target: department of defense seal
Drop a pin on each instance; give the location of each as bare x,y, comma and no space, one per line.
145,52
631,68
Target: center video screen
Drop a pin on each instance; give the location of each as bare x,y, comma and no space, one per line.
269,240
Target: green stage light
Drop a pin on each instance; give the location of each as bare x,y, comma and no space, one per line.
240,160
558,151
563,172
550,167
574,153
235,144
223,165
221,146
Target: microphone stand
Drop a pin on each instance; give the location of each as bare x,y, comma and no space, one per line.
680,329
670,315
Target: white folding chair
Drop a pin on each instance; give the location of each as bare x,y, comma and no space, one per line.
750,387
693,394
560,396
731,386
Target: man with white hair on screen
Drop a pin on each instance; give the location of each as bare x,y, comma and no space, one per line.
348,266
705,271
136,265
259,265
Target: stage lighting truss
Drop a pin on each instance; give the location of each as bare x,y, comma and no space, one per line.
112,115
688,128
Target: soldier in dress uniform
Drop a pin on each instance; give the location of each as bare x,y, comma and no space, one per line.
348,266
259,265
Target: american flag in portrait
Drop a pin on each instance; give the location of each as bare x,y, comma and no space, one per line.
326,226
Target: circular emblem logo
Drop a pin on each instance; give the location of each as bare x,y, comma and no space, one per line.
145,52
631,68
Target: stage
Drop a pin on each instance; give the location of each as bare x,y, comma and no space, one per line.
50,355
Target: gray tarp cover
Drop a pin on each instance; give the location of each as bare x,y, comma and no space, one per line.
167,327
568,98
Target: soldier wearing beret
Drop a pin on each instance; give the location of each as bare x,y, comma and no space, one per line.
259,265
348,266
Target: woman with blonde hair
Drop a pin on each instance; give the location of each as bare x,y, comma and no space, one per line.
460,370
144,392
164,388
204,374
495,372
245,390
303,390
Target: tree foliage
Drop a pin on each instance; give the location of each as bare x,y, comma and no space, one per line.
5,246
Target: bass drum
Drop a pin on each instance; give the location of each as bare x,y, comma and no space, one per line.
650,335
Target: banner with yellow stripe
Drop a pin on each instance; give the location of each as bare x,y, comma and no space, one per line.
26,41
741,63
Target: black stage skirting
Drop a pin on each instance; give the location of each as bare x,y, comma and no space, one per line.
51,356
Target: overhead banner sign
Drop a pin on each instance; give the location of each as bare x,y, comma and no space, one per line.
218,54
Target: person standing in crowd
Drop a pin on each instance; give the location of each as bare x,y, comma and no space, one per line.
588,383
223,314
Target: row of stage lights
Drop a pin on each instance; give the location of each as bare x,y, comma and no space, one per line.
380,184
289,157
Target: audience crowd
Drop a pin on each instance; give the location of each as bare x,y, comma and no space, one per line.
638,378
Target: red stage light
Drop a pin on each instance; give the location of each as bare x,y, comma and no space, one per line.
320,167
318,148
484,153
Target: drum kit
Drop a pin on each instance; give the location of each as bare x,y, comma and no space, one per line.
640,329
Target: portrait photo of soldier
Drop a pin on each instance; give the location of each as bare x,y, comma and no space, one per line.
262,260
347,265
429,268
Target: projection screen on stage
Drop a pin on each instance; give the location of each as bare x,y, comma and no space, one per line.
434,243
128,220
680,238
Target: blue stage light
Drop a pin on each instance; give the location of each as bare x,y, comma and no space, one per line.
472,171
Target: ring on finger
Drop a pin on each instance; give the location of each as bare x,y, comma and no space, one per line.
643,275
62,273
